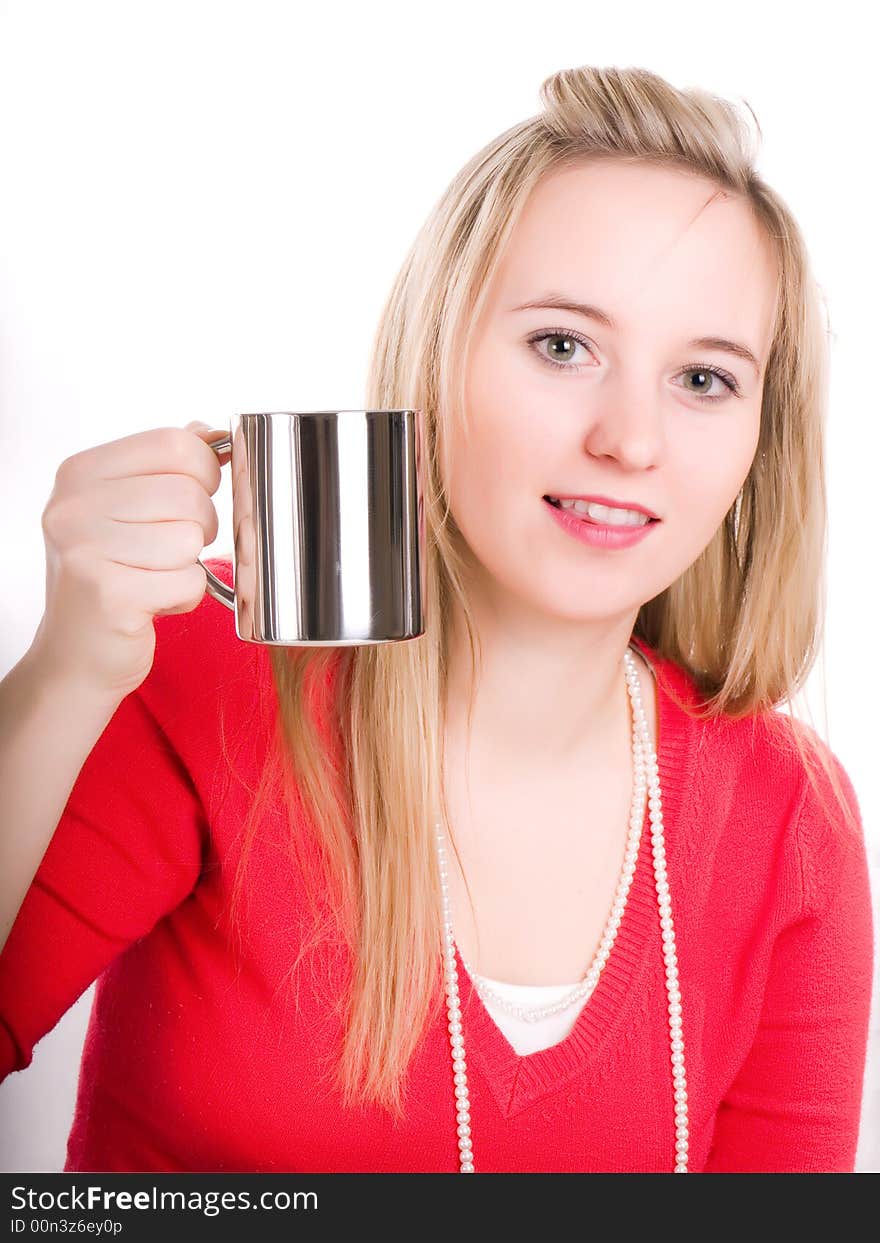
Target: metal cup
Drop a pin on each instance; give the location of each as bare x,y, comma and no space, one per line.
328,517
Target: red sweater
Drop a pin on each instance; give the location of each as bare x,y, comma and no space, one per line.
190,1064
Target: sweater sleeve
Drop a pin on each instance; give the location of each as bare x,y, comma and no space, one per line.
795,1104
127,849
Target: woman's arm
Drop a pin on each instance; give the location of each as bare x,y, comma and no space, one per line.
128,848
48,726
795,1104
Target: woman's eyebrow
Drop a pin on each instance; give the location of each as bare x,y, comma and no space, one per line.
562,303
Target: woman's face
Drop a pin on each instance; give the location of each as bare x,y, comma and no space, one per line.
632,411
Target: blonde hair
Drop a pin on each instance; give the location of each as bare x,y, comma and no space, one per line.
358,758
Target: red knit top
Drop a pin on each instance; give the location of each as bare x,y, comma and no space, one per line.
197,1059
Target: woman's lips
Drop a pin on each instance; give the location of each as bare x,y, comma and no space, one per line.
599,534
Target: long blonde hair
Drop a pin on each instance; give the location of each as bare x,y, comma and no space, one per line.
359,729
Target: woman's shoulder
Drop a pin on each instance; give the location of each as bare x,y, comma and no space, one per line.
198,653
777,754
767,748
207,689
792,794
767,776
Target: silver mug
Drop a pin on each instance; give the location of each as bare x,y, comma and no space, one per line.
328,517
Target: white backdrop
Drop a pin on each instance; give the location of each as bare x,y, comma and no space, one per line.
203,206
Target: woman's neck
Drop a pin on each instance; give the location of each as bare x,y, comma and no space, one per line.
538,713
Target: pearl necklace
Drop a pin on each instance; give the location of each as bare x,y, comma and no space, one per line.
644,760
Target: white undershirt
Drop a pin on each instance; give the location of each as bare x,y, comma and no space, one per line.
529,1037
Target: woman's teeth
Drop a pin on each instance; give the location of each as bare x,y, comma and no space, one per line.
604,513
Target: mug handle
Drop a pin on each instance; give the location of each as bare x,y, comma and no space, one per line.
216,587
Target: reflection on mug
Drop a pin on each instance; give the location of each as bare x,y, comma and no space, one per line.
329,527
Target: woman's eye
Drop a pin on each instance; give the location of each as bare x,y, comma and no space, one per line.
564,347
722,382
560,356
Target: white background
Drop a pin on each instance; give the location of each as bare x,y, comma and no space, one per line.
203,205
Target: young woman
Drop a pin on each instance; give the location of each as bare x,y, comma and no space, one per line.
557,887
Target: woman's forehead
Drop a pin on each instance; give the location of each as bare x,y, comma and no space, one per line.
646,246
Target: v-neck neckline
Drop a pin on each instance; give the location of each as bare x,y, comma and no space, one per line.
520,1080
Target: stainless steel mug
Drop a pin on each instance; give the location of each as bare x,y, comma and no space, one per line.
329,527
